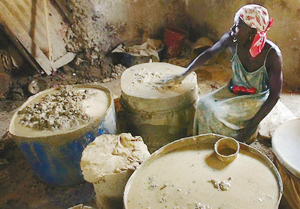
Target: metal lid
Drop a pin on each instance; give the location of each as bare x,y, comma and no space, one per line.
286,145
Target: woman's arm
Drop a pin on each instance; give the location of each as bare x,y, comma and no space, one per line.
224,42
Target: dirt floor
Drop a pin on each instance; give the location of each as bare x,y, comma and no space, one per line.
20,189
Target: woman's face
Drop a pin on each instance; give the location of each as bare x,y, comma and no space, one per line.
240,32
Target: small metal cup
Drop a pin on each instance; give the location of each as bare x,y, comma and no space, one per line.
227,149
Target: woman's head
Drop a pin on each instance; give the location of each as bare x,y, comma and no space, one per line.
255,16
258,21
242,33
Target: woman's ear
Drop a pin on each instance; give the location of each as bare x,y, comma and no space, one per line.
252,34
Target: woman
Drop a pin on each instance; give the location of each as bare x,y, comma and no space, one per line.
257,73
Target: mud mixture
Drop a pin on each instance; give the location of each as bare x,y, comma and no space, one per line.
60,110
143,81
109,154
194,177
57,110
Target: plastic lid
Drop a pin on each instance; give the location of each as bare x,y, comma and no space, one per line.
286,145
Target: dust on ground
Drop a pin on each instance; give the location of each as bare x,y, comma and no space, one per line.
20,189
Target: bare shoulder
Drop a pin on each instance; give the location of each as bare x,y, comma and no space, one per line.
274,69
274,59
275,50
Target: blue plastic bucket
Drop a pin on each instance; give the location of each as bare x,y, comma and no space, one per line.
55,157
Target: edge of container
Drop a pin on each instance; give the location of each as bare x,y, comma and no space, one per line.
291,168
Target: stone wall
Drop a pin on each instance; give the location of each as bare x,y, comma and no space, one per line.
105,23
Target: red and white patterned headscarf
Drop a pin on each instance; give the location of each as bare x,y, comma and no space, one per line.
256,17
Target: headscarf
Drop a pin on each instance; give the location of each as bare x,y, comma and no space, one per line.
256,17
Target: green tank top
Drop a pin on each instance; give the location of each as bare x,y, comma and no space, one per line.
258,79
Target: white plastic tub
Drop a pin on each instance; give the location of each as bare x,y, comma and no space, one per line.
159,115
286,146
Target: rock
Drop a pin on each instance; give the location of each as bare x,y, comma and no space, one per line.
4,80
16,57
278,115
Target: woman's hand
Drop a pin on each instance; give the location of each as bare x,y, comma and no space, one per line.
246,133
